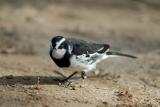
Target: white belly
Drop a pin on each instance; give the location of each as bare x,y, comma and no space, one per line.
83,63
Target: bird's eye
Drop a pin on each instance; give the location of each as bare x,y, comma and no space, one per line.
61,46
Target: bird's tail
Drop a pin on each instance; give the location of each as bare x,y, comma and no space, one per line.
115,53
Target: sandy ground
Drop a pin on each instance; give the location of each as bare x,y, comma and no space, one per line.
27,73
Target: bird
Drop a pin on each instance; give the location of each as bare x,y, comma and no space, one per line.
80,54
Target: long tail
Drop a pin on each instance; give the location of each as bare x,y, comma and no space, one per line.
114,53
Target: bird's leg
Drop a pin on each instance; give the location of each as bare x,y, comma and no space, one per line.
83,75
70,76
60,73
65,80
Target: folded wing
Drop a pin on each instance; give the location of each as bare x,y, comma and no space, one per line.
82,47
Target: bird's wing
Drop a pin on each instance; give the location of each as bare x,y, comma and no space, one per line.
82,47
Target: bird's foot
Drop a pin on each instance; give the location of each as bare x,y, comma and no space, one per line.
65,82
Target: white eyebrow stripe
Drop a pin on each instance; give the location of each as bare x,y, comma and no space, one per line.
60,42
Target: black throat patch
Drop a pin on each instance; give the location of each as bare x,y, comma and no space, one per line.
64,62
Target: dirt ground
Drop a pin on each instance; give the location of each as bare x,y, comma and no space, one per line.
27,73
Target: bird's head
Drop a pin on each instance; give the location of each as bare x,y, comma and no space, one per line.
59,47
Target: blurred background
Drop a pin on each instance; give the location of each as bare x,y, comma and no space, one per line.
27,26
130,26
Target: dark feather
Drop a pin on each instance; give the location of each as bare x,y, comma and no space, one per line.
120,54
82,47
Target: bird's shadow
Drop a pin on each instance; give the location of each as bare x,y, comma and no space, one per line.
32,80
29,80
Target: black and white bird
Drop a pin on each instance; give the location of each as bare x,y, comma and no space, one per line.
79,54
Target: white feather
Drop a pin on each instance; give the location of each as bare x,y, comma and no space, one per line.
58,53
83,63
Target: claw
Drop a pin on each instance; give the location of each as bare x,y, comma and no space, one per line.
65,82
